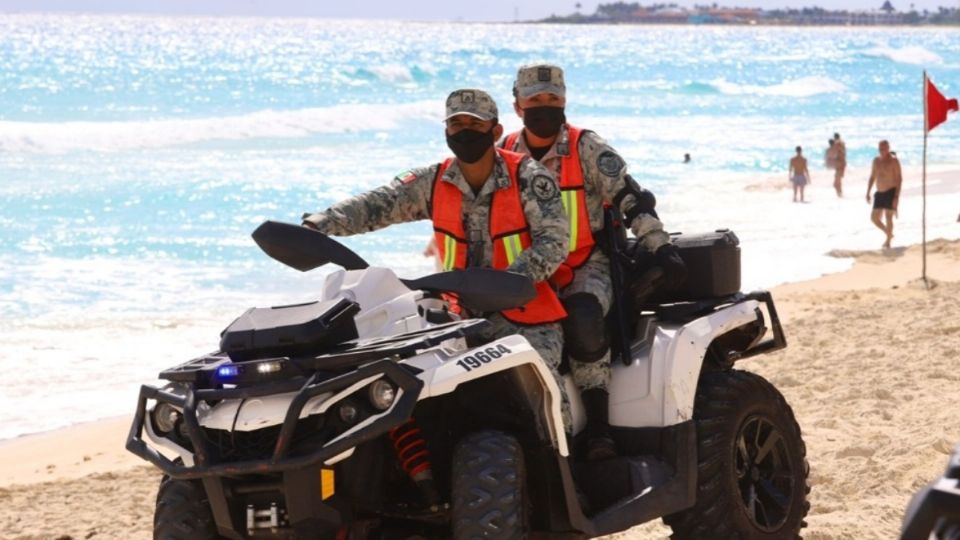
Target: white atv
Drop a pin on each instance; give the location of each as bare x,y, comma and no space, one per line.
375,413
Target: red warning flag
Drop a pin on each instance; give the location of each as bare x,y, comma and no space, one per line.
937,106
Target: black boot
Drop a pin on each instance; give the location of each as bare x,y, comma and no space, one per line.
600,444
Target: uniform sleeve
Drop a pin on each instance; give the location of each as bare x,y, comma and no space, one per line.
605,172
549,227
406,198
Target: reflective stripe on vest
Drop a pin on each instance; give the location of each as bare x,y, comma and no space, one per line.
570,201
574,202
450,250
508,231
513,248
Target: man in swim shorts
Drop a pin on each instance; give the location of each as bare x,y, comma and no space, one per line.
799,175
888,176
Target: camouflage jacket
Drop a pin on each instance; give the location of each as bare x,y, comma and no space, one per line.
604,173
408,198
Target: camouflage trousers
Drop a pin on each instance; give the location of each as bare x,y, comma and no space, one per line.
593,278
547,340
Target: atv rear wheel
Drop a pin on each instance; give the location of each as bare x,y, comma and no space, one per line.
183,512
752,467
488,493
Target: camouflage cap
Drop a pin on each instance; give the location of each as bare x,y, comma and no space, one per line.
476,103
539,78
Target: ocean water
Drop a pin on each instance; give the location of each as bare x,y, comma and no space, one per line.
138,153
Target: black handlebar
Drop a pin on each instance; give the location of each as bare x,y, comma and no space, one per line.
480,290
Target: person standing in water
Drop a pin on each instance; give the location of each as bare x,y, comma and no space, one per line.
840,162
799,175
888,177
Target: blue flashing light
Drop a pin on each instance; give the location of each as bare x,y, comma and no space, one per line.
228,371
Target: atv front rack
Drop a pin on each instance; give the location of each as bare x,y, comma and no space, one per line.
281,459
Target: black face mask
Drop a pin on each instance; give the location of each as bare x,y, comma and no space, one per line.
544,122
469,145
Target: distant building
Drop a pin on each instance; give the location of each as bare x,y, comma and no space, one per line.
634,12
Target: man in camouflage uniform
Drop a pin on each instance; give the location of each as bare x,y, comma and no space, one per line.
478,171
540,98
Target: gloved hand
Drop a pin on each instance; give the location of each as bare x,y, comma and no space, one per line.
668,258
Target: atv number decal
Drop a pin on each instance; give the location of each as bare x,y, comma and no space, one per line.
482,357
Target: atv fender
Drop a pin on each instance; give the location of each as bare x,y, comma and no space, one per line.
688,349
658,388
511,352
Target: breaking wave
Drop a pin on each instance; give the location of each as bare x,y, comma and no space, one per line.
803,87
54,137
913,55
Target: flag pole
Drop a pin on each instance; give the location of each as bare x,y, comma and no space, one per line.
926,123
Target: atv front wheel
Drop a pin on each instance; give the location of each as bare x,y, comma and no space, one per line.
183,512
489,497
752,467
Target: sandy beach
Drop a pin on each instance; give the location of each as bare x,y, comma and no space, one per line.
871,372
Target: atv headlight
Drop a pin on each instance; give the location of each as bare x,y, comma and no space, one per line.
349,413
381,394
165,417
272,366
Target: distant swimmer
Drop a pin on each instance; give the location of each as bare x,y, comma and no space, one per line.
799,175
830,156
888,176
840,163
686,158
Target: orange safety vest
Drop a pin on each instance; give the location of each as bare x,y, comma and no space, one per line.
508,229
574,203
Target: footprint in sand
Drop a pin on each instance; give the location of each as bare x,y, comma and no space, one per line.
829,423
787,381
856,451
882,393
943,446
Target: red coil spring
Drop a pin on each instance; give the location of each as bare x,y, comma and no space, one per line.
411,448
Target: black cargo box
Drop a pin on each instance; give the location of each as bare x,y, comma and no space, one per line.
290,330
713,265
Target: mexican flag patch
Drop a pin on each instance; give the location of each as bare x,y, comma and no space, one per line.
406,177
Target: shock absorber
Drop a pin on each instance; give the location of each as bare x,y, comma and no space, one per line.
414,458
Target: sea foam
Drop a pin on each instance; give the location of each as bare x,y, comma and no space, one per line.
913,55
802,87
54,137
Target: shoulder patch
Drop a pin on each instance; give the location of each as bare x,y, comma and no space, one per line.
544,187
406,177
610,163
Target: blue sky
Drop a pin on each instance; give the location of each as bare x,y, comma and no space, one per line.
485,10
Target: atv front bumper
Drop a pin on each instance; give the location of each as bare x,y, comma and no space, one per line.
205,465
